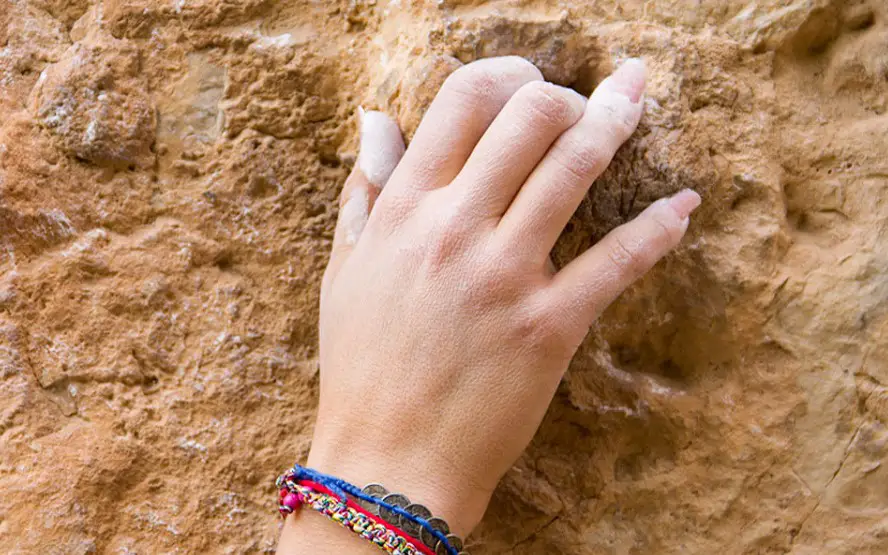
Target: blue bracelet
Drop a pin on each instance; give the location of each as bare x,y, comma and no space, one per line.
444,541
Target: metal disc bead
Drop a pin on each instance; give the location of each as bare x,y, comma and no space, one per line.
455,542
410,527
397,500
427,537
374,490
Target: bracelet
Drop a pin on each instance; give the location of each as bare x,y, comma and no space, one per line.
352,519
389,520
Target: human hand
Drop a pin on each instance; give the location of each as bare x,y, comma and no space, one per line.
444,329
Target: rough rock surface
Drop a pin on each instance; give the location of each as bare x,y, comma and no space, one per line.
168,176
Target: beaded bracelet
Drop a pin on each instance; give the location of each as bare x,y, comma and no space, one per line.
372,512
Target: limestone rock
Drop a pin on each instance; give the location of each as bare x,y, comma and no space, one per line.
4,22
139,18
95,101
168,191
418,87
65,11
561,48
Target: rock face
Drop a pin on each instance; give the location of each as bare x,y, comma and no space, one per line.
96,104
168,181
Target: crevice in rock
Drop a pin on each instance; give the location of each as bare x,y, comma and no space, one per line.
826,487
538,531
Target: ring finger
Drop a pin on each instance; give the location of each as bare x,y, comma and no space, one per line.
558,184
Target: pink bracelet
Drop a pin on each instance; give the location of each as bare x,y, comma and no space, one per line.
350,516
387,519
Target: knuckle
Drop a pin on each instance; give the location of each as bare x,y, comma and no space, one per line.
391,210
531,327
487,291
549,104
628,258
617,122
494,279
593,155
548,329
583,159
444,236
482,79
516,64
668,232
472,80
442,245
620,126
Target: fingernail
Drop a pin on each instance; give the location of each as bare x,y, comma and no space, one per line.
381,146
685,202
630,79
353,215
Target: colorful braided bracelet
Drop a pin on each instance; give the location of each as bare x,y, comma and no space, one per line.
389,521
356,521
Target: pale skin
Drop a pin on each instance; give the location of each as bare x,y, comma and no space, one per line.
444,328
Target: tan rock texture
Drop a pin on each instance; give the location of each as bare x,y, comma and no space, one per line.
168,179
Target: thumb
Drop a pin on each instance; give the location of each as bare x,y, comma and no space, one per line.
382,147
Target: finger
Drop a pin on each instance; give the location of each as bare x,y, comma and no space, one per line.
587,285
382,147
516,142
551,270
556,187
466,105
380,151
358,197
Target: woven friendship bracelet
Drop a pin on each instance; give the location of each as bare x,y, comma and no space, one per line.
393,511
352,519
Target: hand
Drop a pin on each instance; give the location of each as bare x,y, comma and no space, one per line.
444,330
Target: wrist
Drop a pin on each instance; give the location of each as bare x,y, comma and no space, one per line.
419,476
306,532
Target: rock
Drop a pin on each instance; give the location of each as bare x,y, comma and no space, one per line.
25,232
11,359
138,18
290,100
96,102
34,38
418,88
66,11
563,50
4,22
168,193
